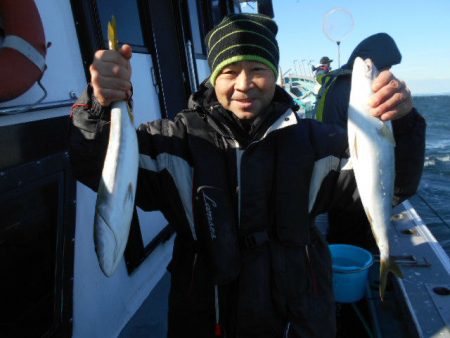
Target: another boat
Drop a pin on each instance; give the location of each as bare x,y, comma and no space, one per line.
51,284
303,89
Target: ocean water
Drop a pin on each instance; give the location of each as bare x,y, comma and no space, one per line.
432,200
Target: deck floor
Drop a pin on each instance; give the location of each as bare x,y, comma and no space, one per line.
411,304
151,318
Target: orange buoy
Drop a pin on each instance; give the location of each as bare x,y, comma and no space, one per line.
22,53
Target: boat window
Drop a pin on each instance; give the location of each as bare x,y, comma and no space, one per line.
211,12
248,6
196,27
236,6
128,23
265,7
296,91
216,11
254,6
219,9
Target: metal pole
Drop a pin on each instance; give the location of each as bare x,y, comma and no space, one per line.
339,53
304,67
310,67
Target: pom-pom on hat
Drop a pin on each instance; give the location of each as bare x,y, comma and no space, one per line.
242,37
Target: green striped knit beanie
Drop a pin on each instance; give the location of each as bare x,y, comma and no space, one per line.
242,37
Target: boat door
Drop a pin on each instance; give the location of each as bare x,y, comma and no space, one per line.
160,29
166,25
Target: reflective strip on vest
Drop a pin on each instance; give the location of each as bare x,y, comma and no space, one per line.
327,81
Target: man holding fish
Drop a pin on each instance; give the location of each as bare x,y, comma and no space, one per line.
241,179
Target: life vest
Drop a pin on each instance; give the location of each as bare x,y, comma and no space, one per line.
22,53
326,81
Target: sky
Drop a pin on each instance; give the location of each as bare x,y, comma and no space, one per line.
421,29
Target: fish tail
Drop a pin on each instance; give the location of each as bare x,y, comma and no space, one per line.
112,34
387,265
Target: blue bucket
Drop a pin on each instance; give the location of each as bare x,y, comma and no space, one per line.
350,271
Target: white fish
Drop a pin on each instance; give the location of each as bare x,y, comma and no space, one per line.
115,197
371,144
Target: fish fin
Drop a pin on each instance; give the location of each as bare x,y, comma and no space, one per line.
129,196
130,113
112,34
387,265
386,132
369,217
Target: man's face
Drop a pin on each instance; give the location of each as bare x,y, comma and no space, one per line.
245,88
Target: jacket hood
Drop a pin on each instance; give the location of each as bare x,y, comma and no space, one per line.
380,48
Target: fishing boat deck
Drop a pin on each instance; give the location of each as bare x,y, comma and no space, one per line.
426,268
150,320
416,306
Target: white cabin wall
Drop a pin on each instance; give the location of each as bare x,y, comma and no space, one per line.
145,99
64,74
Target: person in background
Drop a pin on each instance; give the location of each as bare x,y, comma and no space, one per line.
320,73
348,222
241,179
323,68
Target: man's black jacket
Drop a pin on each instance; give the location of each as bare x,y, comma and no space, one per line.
242,200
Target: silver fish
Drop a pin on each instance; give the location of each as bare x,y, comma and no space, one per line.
116,193
371,144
